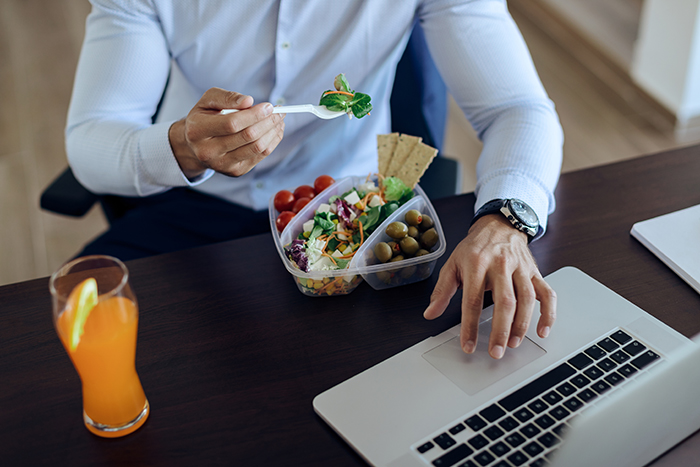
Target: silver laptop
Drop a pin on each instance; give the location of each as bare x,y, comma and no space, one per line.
548,402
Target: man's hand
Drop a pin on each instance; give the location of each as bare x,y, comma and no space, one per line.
494,256
231,144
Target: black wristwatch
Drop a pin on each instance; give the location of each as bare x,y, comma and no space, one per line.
522,216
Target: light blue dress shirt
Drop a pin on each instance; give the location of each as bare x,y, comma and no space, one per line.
288,52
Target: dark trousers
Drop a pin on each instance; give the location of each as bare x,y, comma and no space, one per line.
175,220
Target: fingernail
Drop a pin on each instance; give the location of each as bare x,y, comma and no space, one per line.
469,347
545,331
514,342
240,98
267,109
497,351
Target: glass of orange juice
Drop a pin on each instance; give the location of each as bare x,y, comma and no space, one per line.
96,317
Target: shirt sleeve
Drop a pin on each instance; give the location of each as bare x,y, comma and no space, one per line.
111,143
488,70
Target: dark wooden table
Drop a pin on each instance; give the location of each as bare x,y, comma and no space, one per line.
231,354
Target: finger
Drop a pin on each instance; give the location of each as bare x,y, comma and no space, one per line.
525,295
218,99
242,160
241,123
472,304
504,303
548,305
228,142
444,290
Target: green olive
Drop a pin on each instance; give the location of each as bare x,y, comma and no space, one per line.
413,232
383,252
384,276
409,245
407,272
395,248
429,239
397,230
396,258
421,252
426,223
413,217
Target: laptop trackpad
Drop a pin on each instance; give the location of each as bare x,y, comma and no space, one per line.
477,371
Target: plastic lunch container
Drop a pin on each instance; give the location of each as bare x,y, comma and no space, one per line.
364,265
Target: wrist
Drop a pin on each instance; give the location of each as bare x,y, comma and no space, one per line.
186,159
498,228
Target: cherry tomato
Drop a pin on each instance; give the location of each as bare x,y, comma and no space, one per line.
300,203
284,200
304,191
322,182
283,219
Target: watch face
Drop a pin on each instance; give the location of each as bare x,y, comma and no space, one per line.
526,215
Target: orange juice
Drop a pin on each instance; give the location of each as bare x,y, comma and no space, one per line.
113,399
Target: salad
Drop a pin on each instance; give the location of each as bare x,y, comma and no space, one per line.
345,99
340,226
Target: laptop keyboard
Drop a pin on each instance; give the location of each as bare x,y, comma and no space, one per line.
526,426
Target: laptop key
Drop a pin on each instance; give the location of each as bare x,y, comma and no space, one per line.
492,413
559,412
533,449
580,361
499,449
493,432
552,397
517,458
484,458
573,404
476,423
548,440
621,337
452,457
594,372
608,344
538,463
425,447
595,352
537,387
614,378
501,463
619,356
537,406
645,359
445,441
467,464
635,348
530,430
559,429
509,424
515,439
566,389
523,414
586,395
606,364
545,421
600,387
580,381
457,429
478,442
627,370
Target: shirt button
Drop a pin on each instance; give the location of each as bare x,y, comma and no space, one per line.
285,45
260,185
280,101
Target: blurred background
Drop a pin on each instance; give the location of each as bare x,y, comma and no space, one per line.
584,51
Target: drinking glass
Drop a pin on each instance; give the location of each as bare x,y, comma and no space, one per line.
114,403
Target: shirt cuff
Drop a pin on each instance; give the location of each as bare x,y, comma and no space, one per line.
158,164
513,185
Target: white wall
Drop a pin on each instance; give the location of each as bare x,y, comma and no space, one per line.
666,60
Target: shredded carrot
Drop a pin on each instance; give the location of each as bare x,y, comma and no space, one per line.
339,92
362,233
330,283
331,257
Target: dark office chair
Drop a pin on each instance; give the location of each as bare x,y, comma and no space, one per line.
416,76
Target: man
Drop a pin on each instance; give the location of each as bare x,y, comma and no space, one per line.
250,54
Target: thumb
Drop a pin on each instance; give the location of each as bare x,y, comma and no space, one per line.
445,289
218,99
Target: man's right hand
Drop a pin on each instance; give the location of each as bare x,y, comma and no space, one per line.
231,144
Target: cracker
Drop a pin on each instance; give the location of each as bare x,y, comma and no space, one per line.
386,144
416,163
404,146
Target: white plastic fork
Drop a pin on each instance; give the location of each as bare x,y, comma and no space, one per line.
321,111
